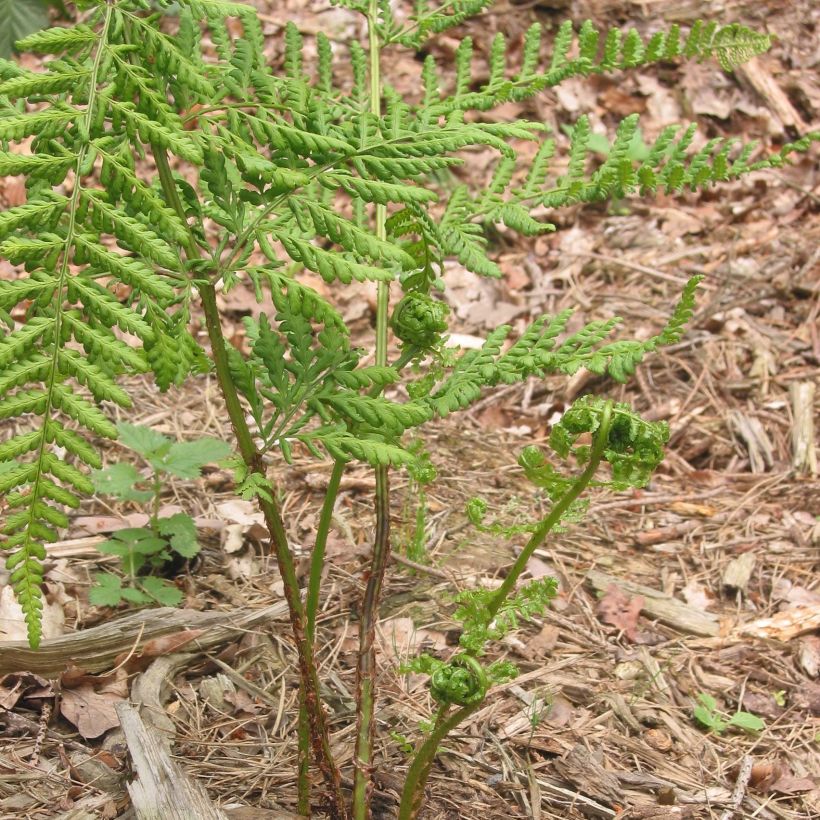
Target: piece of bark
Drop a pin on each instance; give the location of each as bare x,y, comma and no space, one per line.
252,813
647,538
785,625
96,649
160,790
589,777
663,607
804,452
752,434
151,689
754,73
738,571
659,813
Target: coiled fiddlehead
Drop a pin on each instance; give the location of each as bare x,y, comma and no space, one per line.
462,681
419,320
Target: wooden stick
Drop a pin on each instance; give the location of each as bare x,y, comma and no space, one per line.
161,788
96,649
665,608
804,453
741,785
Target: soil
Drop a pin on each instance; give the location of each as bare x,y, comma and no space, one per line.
601,720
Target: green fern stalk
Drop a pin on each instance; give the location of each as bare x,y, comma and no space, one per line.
412,796
366,665
316,730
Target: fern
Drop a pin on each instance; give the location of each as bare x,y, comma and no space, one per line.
114,253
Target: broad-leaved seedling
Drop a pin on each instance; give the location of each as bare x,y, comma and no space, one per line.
165,159
141,549
707,714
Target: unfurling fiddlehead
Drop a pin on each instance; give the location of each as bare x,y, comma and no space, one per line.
633,448
462,681
419,320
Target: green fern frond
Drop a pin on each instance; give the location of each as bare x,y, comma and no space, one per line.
58,40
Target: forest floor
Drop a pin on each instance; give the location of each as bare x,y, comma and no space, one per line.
704,583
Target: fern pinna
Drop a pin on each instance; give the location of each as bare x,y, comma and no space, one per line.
164,158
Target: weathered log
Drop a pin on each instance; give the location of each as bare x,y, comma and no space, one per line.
96,649
657,604
161,790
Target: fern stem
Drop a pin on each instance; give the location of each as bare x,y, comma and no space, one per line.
317,564
303,755
412,794
366,666
320,737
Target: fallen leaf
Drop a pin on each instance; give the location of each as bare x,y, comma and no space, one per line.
695,595
617,609
93,713
242,701
14,191
788,784
764,705
13,623
809,655
239,511
764,773
401,639
493,417
544,642
21,685
657,739
560,712
96,524
807,697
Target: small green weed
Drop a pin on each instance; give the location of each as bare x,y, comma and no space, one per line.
142,550
707,714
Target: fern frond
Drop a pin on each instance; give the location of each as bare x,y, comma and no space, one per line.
331,265
59,40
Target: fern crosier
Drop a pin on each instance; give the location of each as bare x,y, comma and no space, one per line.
270,174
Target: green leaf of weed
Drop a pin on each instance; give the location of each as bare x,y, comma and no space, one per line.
135,596
143,440
107,590
141,539
180,530
162,591
185,459
747,721
119,480
20,18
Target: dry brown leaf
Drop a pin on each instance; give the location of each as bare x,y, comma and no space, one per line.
695,595
238,511
617,609
560,712
13,623
401,639
92,712
16,686
809,655
544,642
